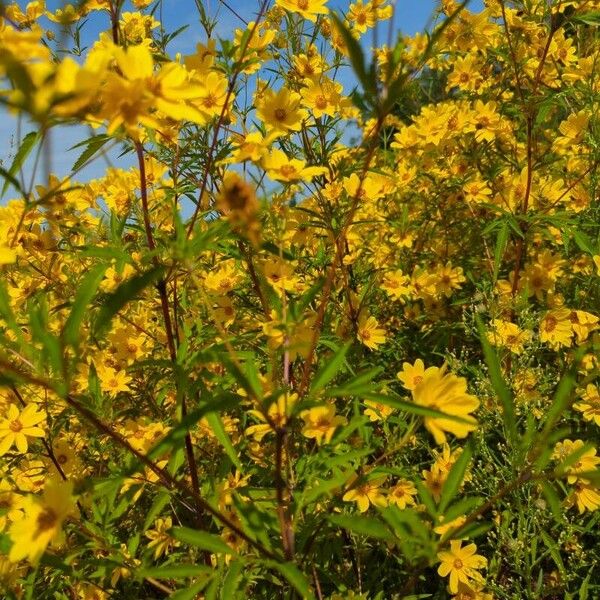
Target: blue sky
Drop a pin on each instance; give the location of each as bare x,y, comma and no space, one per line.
411,16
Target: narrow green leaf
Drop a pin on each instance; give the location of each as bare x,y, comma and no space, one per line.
552,499
499,384
362,525
201,539
216,424
411,407
87,289
126,292
357,57
456,476
191,592
295,578
28,143
330,368
501,241
232,579
93,145
174,571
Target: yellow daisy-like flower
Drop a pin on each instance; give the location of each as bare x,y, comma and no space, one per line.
448,394
159,537
42,522
17,426
367,493
281,111
412,375
321,422
461,564
402,494
370,334
590,404
309,9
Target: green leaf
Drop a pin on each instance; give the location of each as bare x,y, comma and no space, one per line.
93,144
552,499
330,368
87,289
161,500
191,592
357,57
497,380
456,476
294,576
126,292
232,579
201,539
27,145
359,385
591,18
216,424
554,552
362,525
584,242
501,241
174,571
412,408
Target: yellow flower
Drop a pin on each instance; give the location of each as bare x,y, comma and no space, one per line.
585,496
112,381
447,393
277,416
377,411
17,426
367,493
585,463
11,504
323,97
412,375
159,537
461,564
42,522
7,255
222,279
556,329
509,335
280,111
590,404
402,494
321,422
309,9
369,333
396,284
281,168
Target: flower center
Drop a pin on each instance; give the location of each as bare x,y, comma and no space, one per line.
47,519
458,564
16,425
280,114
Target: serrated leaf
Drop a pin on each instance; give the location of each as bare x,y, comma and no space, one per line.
27,145
231,580
93,144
